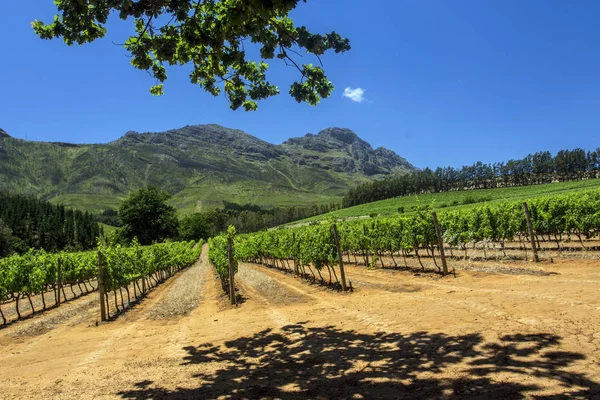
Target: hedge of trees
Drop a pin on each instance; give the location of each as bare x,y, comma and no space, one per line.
27,222
538,168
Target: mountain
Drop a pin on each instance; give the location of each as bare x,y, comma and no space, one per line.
199,165
343,151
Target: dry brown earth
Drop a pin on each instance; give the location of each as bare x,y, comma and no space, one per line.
399,335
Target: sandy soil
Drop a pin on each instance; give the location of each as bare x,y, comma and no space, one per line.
400,334
68,293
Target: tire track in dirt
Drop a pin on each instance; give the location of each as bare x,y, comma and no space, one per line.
527,295
208,308
385,282
562,280
489,310
128,322
322,299
496,314
263,303
267,294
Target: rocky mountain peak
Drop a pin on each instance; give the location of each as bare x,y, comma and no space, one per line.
3,134
210,138
329,139
343,151
341,134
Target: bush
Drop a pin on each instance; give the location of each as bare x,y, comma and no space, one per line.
469,200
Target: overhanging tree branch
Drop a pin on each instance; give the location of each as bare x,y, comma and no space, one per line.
209,35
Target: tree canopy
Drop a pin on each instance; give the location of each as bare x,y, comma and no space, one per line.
6,239
195,226
211,36
29,222
537,168
145,215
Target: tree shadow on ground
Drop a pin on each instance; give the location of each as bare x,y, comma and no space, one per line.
302,362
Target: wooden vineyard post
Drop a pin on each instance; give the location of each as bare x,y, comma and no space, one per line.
339,251
438,233
295,261
230,258
59,282
531,235
101,289
366,250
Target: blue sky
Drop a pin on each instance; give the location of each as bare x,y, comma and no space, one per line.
445,82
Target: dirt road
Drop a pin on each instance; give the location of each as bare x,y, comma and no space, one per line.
399,335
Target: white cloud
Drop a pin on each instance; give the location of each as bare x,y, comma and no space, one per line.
357,95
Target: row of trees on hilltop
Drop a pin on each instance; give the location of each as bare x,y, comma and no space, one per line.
538,168
26,222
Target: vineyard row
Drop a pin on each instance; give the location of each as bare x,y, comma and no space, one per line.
39,273
555,219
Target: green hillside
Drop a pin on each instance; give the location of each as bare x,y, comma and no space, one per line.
458,199
199,165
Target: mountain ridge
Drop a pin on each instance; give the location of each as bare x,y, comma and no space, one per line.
200,165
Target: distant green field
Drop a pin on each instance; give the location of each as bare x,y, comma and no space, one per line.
458,199
263,194
108,229
95,203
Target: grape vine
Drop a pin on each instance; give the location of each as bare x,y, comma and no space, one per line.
37,272
555,219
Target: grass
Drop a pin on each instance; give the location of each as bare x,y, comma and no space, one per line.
108,229
95,203
454,200
204,196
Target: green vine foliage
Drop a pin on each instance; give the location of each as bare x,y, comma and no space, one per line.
122,265
214,37
37,270
552,217
218,255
